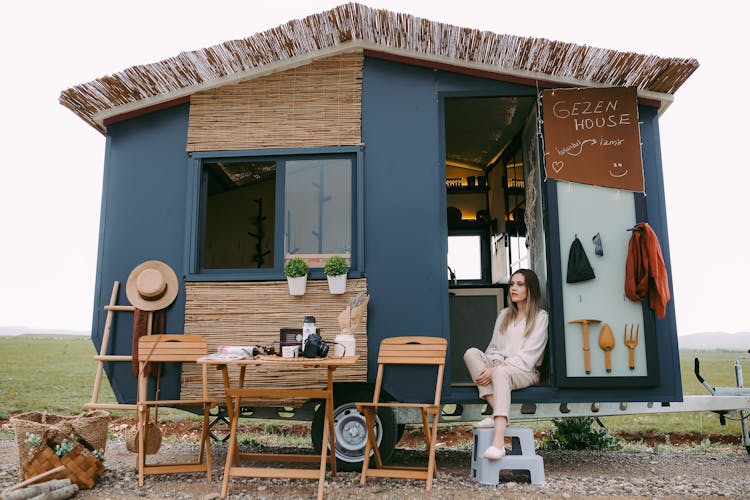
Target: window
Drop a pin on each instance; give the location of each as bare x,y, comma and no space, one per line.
252,211
468,255
239,217
464,256
318,206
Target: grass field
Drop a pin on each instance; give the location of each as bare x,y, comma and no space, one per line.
717,367
48,373
56,374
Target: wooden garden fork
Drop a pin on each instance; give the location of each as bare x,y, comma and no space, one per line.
631,342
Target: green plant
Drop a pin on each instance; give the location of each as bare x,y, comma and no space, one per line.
579,434
34,440
63,448
335,266
706,445
99,454
295,268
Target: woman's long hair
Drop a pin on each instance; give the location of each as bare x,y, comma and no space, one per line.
533,303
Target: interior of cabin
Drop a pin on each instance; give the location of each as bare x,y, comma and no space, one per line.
490,153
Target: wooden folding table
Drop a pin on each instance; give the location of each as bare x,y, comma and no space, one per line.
234,395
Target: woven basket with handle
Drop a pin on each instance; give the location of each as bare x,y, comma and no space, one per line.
91,426
153,438
81,466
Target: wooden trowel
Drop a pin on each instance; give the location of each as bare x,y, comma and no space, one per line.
607,343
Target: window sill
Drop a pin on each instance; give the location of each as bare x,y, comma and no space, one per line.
270,275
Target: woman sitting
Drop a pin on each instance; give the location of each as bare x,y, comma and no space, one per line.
510,361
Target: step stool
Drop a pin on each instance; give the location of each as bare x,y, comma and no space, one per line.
522,456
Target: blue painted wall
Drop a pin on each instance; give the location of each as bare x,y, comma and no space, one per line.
142,218
405,224
666,328
406,239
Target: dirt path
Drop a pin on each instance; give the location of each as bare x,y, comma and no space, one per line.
636,472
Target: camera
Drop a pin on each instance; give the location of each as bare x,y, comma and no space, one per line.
315,347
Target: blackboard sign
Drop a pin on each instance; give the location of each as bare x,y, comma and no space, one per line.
591,136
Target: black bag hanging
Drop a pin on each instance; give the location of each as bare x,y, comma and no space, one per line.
579,267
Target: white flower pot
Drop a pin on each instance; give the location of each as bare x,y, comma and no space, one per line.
337,284
344,345
298,285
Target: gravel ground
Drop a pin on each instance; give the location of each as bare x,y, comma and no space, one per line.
664,472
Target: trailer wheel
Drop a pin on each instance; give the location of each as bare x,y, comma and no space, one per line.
350,431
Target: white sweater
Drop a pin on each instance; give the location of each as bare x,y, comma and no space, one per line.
512,348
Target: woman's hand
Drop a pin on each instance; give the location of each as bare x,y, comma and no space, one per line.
485,376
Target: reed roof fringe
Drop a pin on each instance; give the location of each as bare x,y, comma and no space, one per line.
356,25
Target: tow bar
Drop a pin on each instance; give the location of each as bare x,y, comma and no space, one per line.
739,390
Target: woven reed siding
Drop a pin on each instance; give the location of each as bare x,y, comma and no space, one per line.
318,104
252,313
355,23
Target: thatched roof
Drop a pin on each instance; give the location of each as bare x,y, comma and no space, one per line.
358,27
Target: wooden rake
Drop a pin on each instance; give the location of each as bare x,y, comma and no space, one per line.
631,341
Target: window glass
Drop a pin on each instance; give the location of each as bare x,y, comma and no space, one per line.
520,253
256,211
239,214
318,206
465,257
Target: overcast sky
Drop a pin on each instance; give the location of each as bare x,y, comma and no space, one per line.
50,190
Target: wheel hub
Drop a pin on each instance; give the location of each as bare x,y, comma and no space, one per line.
351,434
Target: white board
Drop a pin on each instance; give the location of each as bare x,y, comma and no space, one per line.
585,211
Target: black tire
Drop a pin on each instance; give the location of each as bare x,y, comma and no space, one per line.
349,426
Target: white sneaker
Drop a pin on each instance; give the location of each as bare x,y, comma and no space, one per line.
486,422
493,453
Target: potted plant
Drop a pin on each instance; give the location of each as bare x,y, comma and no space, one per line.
335,270
295,270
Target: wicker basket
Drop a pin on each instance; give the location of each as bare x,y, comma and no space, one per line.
81,467
91,426
153,438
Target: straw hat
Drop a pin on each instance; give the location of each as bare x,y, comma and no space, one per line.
151,286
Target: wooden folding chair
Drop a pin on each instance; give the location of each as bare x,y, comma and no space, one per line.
405,351
172,348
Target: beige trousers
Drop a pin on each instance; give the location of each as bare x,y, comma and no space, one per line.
505,378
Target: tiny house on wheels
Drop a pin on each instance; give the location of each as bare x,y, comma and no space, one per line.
436,160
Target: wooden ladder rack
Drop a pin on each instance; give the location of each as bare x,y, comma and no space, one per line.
103,357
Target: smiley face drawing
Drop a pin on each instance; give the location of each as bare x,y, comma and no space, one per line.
617,170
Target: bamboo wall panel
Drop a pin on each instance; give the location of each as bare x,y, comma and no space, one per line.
251,313
318,104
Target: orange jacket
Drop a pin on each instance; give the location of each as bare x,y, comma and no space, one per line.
645,272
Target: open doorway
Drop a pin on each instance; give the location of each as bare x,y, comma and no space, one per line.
490,152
